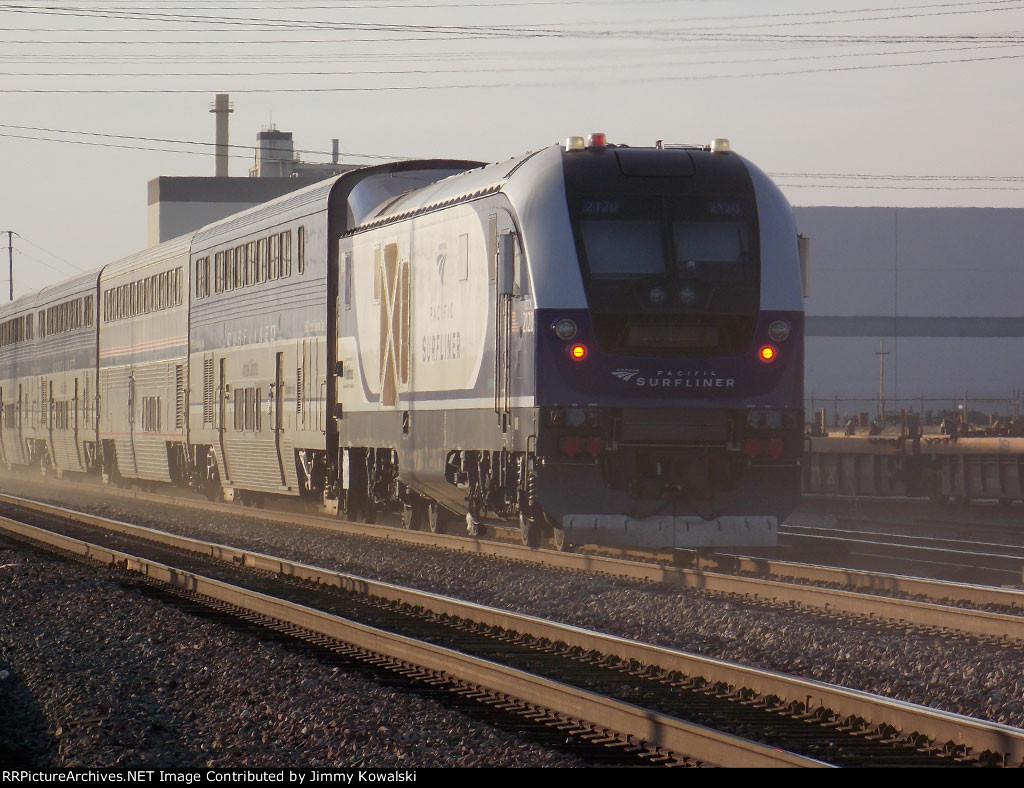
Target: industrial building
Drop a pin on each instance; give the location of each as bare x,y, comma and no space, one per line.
918,308
177,205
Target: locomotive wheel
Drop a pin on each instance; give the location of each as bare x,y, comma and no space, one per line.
561,544
436,519
529,531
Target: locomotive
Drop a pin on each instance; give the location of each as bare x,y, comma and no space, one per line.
595,342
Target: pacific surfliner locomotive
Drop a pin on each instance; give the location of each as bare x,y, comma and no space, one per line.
593,341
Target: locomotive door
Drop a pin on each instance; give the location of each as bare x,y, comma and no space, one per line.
503,322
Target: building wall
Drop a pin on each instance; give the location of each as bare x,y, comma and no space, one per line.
180,205
940,289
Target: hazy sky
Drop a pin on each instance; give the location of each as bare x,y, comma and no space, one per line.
845,102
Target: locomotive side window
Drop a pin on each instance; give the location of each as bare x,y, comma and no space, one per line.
348,278
301,251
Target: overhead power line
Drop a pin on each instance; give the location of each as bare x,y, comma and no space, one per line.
619,80
882,180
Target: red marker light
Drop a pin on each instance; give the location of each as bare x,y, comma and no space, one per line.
767,353
596,139
570,446
578,352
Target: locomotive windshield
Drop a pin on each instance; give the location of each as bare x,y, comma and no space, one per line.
668,246
619,249
716,251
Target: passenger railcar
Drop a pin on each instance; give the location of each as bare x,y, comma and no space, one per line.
143,349
259,356
48,377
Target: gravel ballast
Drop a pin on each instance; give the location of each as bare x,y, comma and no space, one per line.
962,675
94,674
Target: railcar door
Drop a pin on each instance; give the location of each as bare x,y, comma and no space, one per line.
222,398
74,426
133,467
3,426
278,417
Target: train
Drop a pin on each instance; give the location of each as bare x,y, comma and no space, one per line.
591,342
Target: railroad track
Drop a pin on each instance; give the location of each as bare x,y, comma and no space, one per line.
982,562
980,611
648,702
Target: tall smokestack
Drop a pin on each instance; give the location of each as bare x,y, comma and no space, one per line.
334,151
221,107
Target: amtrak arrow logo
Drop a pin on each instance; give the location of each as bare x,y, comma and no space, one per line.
625,374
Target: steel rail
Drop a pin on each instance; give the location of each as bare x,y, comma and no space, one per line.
909,718
923,614
653,728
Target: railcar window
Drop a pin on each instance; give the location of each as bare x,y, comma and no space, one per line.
240,267
88,312
272,267
239,409
199,278
250,395
229,269
252,265
286,253
301,251
218,272
623,248
261,247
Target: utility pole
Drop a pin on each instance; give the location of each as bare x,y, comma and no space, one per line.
881,353
10,258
